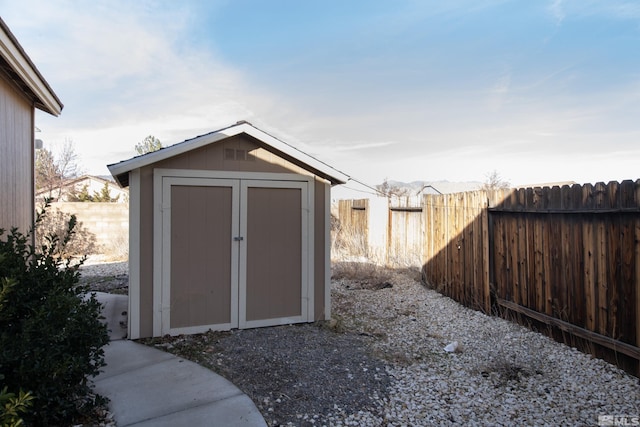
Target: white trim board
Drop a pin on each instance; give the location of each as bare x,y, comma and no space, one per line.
327,253
197,173
134,256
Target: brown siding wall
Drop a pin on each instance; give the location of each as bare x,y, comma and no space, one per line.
319,249
216,157
16,159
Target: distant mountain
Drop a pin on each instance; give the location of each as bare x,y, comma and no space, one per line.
106,177
352,190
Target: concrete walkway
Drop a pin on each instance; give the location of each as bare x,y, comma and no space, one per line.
149,387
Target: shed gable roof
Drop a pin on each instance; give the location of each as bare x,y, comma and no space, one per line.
120,171
18,67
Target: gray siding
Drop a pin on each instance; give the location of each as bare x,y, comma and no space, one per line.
16,158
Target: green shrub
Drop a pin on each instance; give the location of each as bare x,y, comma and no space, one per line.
12,406
51,336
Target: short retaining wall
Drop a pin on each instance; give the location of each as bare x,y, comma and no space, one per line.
109,222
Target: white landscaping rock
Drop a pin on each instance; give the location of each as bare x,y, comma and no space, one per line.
507,375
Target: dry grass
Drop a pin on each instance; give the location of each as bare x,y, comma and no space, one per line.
369,275
348,243
55,222
118,247
513,357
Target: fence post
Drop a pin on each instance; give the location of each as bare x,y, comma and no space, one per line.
637,272
486,244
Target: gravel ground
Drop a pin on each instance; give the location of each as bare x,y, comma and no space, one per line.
300,375
502,373
381,362
105,276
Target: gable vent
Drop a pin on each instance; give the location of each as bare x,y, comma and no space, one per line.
236,154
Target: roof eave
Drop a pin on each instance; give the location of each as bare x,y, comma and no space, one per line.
318,167
19,61
120,170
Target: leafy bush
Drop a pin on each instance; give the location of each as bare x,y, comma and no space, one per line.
11,406
55,222
51,336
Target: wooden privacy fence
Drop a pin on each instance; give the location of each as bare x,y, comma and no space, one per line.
570,258
351,232
567,258
390,233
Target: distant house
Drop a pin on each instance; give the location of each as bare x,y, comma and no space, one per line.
22,90
89,185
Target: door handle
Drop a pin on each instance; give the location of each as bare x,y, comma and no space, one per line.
238,238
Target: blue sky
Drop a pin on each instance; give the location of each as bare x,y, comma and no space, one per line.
539,91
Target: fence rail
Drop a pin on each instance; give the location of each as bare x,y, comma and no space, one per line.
567,258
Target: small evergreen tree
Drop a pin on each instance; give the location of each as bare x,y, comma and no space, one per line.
81,196
104,195
148,145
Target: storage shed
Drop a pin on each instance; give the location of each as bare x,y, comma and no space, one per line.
227,230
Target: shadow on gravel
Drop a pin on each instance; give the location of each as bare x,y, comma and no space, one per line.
116,284
292,373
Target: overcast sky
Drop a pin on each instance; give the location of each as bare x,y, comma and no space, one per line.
539,91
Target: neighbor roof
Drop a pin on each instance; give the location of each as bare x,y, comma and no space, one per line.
69,185
17,65
120,171
73,181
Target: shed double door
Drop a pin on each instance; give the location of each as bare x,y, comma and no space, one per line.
235,254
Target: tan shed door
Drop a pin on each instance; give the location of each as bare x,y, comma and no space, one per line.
200,262
274,253
235,254
200,256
